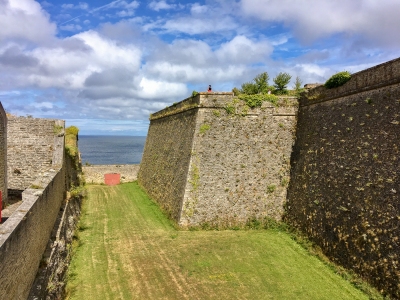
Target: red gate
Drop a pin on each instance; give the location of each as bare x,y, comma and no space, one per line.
112,178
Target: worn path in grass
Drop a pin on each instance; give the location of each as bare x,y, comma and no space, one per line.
129,250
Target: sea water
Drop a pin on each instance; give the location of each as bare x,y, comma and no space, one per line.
111,150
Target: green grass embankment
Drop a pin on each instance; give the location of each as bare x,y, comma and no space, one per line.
129,250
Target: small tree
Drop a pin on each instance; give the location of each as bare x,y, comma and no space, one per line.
261,82
236,91
258,86
249,88
297,84
281,81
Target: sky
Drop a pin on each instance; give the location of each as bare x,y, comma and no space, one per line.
105,66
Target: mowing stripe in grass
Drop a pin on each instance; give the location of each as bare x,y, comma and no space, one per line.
130,250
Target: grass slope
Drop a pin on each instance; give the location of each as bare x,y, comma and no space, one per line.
129,250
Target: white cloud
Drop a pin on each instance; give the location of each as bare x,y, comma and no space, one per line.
81,5
64,67
126,13
151,89
198,9
191,25
25,20
159,5
243,50
374,20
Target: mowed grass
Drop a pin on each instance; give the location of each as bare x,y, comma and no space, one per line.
130,250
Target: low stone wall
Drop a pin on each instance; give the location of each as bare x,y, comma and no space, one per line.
50,280
95,174
24,236
26,233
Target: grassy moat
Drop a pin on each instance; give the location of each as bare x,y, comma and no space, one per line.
127,249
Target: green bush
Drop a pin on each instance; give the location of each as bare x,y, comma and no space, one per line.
72,130
248,88
236,91
338,79
257,100
194,93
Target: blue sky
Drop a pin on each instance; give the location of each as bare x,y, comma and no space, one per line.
104,66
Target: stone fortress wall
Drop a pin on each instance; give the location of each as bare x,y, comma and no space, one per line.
3,155
210,159
344,190
30,144
36,150
206,166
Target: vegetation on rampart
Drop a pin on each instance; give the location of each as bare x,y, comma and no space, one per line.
257,100
337,79
71,145
260,86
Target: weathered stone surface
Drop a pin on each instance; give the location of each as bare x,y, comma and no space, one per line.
37,151
31,147
345,181
3,154
95,173
205,165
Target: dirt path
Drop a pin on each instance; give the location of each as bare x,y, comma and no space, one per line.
129,250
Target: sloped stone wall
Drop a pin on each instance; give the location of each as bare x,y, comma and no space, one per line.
205,165
345,181
166,156
3,154
239,168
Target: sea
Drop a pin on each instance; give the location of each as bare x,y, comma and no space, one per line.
111,150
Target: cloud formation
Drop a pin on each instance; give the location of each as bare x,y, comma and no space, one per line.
374,21
126,59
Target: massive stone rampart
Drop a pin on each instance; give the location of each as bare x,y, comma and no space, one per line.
3,154
344,191
210,159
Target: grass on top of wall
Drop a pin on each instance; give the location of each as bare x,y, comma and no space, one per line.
127,249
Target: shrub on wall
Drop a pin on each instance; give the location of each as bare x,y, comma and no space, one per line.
338,79
71,147
257,100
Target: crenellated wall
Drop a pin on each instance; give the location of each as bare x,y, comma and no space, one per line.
211,160
344,191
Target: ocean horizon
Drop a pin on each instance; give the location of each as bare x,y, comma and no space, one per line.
111,150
